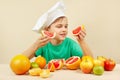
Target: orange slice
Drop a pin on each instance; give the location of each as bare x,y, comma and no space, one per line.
35,71
45,73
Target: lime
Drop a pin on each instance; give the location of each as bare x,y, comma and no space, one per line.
34,65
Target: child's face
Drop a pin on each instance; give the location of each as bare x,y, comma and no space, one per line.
60,27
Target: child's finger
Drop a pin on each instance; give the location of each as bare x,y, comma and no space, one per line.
45,39
83,33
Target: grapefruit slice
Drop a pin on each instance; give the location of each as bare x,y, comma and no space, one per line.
58,63
49,34
73,63
51,67
77,30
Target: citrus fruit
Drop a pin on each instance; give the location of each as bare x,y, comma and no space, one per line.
58,63
98,70
34,65
73,62
86,66
76,31
49,34
41,61
20,64
51,67
34,71
83,27
45,73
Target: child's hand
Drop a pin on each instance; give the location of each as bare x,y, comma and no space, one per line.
81,35
42,41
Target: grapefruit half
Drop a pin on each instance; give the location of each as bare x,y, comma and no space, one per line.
73,62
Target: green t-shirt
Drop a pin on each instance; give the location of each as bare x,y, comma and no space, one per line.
66,49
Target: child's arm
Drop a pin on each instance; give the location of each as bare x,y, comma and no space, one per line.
85,48
83,44
30,52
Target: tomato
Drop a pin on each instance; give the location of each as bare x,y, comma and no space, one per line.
109,64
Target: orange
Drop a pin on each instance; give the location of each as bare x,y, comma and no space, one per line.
41,61
20,64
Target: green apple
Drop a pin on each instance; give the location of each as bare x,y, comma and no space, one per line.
98,70
34,65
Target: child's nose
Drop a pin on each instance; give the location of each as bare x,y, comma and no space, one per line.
64,28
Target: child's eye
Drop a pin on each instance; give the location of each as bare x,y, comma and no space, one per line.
66,26
58,26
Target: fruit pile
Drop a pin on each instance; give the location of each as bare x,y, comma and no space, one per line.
96,66
20,65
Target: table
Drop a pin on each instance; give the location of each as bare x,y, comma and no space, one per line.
7,74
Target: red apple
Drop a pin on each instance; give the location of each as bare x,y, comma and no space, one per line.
109,64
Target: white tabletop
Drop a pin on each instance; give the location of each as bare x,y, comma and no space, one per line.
7,74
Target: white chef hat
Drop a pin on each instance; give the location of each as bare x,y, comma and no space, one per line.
50,16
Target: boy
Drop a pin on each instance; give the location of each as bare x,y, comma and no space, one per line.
61,46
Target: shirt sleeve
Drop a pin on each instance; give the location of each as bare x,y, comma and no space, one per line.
76,49
38,52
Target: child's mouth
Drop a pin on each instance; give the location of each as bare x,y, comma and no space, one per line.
63,35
